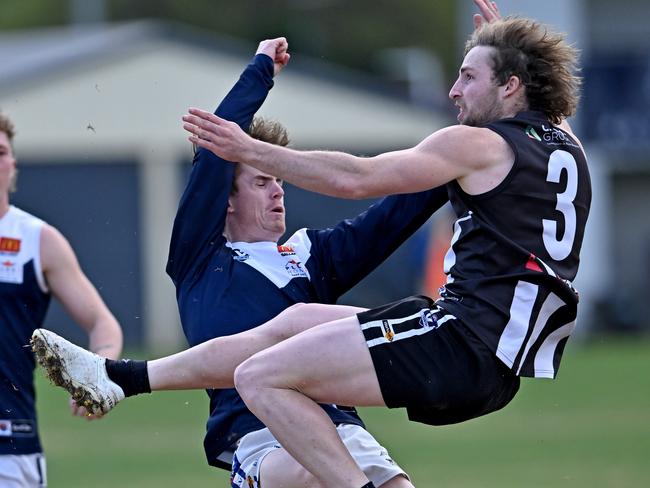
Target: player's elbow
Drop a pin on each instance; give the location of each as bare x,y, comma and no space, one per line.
354,186
347,188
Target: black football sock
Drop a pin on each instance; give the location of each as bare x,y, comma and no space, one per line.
368,485
132,376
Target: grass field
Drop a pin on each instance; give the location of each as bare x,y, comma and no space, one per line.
589,428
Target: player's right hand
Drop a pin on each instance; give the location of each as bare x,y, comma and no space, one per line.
80,411
489,13
276,49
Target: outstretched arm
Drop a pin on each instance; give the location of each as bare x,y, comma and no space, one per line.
79,297
201,214
448,154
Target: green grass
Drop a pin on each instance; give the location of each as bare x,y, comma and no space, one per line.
589,428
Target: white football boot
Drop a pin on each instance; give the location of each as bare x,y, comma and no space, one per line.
81,372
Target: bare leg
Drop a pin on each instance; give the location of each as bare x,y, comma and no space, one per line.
280,470
397,482
212,364
328,364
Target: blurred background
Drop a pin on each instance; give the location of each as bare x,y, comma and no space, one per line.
97,89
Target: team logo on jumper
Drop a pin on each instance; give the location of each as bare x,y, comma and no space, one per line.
9,245
286,250
388,330
22,428
16,428
532,133
556,137
10,272
240,255
428,319
294,268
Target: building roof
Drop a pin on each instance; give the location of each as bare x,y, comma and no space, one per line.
113,87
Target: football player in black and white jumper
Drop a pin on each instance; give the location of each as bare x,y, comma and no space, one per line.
518,182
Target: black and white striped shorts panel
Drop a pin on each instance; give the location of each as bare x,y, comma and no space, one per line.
388,330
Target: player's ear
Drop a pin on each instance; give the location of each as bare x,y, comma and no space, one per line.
512,85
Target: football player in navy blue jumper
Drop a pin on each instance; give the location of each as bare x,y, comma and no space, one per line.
231,275
36,263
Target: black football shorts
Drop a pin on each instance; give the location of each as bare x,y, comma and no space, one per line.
427,361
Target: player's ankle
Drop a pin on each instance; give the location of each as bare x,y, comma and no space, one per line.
132,376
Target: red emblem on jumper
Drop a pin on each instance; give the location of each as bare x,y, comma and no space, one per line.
532,264
9,244
285,250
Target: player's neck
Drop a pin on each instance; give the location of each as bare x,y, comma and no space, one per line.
4,205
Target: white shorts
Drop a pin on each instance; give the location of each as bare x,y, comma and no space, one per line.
22,471
372,458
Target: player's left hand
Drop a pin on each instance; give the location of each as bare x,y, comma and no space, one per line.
79,411
277,50
489,12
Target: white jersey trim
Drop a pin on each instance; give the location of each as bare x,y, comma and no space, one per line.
514,333
278,263
450,258
546,352
550,306
26,228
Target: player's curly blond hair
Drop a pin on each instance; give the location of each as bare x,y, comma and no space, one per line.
544,62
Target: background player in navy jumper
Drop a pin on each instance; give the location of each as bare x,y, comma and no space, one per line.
518,181
36,262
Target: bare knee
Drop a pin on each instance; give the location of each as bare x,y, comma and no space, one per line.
296,308
302,316
248,378
285,324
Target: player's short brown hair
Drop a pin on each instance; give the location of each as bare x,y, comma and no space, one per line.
7,126
270,131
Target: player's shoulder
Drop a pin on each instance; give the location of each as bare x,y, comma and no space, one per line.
463,136
476,147
53,240
18,214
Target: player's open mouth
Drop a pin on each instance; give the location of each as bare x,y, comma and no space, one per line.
279,210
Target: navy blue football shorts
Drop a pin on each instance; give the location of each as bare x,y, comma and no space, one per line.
428,362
